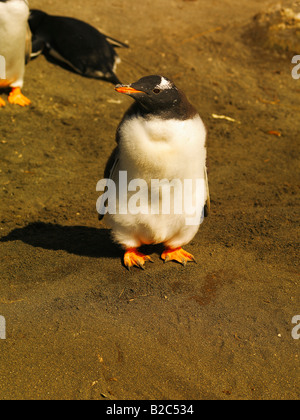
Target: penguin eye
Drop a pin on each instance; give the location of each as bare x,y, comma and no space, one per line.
156,90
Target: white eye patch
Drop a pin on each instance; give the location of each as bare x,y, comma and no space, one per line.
164,84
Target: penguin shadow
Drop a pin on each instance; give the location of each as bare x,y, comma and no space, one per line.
5,91
79,240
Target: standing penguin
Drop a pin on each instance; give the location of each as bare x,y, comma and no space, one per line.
13,38
161,137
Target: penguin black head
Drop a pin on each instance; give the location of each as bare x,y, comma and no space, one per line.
157,95
36,17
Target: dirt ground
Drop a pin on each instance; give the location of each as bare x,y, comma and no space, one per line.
78,324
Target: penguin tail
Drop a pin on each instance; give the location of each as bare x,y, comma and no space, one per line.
115,43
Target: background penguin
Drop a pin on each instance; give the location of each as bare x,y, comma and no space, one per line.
14,47
75,43
160,137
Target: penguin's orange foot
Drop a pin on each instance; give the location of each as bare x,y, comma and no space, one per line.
16,97
134,258
2,103
178,254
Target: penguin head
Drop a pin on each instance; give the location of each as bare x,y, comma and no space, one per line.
36,17
155,94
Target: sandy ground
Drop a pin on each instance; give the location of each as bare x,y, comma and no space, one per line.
79,325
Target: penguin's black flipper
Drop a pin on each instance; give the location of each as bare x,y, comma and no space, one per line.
109,170
207,204
38,46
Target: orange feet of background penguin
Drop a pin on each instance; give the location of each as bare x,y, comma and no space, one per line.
16,97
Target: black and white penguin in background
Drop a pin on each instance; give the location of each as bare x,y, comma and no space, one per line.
161,137
15,46
75,43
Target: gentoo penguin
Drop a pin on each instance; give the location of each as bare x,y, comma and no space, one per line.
14,37
161,142
75,43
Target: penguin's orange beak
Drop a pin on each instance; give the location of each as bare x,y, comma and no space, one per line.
127,89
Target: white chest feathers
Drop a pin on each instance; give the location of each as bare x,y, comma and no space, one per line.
163,157
163,148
